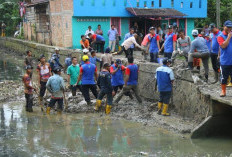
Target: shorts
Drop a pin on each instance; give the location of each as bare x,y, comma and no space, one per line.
42,88
60,103
165,97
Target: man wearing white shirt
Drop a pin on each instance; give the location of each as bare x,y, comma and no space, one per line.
89,30
127,44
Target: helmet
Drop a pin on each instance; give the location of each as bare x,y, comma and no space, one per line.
85,58
85,51
57,49
195,32
166,61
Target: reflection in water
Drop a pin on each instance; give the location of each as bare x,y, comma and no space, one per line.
35,134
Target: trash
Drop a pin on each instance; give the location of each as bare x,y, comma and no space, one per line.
143,153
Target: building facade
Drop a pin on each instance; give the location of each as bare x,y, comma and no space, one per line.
125,13
49,22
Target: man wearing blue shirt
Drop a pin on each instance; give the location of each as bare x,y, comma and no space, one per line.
128,35
215,51
165,78
200,46
112,34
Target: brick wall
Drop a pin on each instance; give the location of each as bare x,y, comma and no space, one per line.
61,12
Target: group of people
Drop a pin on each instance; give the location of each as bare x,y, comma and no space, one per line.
114,76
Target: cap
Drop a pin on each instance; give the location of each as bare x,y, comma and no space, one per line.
28,67
106,65
228,23
118,61
57,49
195,32
212,26
85,58
85,51
166,61
151,28
41,56
107,50
57,69
170,27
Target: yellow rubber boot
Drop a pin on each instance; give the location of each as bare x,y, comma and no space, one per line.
108,109
48,110
98,104
160,104
165,109
229,84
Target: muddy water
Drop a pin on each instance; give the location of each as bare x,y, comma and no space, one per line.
35,134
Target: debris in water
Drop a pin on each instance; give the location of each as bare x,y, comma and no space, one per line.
143,154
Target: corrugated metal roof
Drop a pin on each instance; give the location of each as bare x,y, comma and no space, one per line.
156,12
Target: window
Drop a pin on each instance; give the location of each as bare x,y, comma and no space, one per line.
200,2
181,4
191,4
93,2
152,4
172,3
125,3
145,4
117,22
160,3
103,2
137,3
82,2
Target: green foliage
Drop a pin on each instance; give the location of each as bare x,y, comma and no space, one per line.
9,14
226,13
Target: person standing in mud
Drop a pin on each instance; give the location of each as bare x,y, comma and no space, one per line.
164,79
55,86
55,60
28,89
131,81
73,73
225,42
44,72
104,82
29,60
87,73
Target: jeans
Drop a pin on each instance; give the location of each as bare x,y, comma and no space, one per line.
109,97
127,89
74,89
165,97
29,100
226,71
42,89
204,57
215,62
168,55
53,102
127,52
112,45
154,57
85,91
99,45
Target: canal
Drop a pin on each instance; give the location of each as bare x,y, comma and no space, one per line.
38,135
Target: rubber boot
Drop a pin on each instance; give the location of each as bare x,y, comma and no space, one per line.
215,78
165,109
98,104
223,93
108,108
229,82
48,110
160,104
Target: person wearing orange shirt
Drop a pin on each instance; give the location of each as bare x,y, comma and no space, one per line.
84,42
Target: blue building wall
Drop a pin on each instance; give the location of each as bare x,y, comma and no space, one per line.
117,8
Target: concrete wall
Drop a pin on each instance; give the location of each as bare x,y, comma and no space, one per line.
188,101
